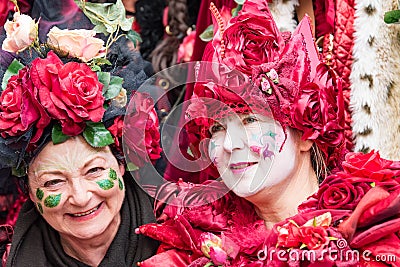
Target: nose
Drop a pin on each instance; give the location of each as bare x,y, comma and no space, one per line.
79,193
234,137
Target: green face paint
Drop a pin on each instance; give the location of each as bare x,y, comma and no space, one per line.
39,194
52,201
120,184
106,184
39,207
112,174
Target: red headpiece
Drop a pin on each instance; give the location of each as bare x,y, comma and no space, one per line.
256,68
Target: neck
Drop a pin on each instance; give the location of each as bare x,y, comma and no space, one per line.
281,201
91,251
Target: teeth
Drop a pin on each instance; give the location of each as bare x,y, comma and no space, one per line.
85,213
241,166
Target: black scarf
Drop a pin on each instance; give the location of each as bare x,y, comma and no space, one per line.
35,243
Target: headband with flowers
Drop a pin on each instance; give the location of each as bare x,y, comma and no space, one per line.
73,87
278,74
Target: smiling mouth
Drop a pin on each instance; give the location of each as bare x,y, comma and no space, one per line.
242,165
86,212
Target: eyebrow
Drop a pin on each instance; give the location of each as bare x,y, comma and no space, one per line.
61,171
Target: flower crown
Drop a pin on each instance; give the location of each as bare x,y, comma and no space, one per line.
271,72
72,87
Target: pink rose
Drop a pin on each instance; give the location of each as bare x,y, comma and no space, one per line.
185,50
21,32
77,43
71,93
141,134
314,237
20,109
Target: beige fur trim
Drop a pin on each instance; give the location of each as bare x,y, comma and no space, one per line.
283,12
375,79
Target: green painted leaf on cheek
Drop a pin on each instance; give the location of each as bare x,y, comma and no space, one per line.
39,194
106,184
52,201
112,174
120,184
40,208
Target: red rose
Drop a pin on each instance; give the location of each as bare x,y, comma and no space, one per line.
341,193
116,129
369,165
71,93
250,40
140,134
20,109
314,237
288,236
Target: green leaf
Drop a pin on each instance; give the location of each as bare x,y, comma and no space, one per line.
104,78
57,135
106,17
13,69
106,184
314,223
373,184
208,34
95,68
392,17
114,88
131,167
189,151
52,201
235,11
20,172
97,135
303,246
333,238
239,2
134,37
39,194
120,184
112,174
101,61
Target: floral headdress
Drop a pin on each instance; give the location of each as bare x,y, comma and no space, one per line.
270,72
73,86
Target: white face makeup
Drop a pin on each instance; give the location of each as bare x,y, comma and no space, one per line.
78,189
245,149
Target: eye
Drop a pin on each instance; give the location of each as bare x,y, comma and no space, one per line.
53,183
95,170
216,128
249,119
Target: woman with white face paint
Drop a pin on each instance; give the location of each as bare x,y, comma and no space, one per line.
270,117
246,151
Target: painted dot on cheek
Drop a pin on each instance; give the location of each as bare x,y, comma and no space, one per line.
106,184
39,207
39,194
120,184
52,201
112,174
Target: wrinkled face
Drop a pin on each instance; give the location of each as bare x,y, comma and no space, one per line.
245,149
78,189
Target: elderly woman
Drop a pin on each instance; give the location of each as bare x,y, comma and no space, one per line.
270,116
61,122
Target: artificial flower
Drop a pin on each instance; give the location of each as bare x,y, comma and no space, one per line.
185,50
70,93
77,43
21,32
250,40
369,165
20,109
141,135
